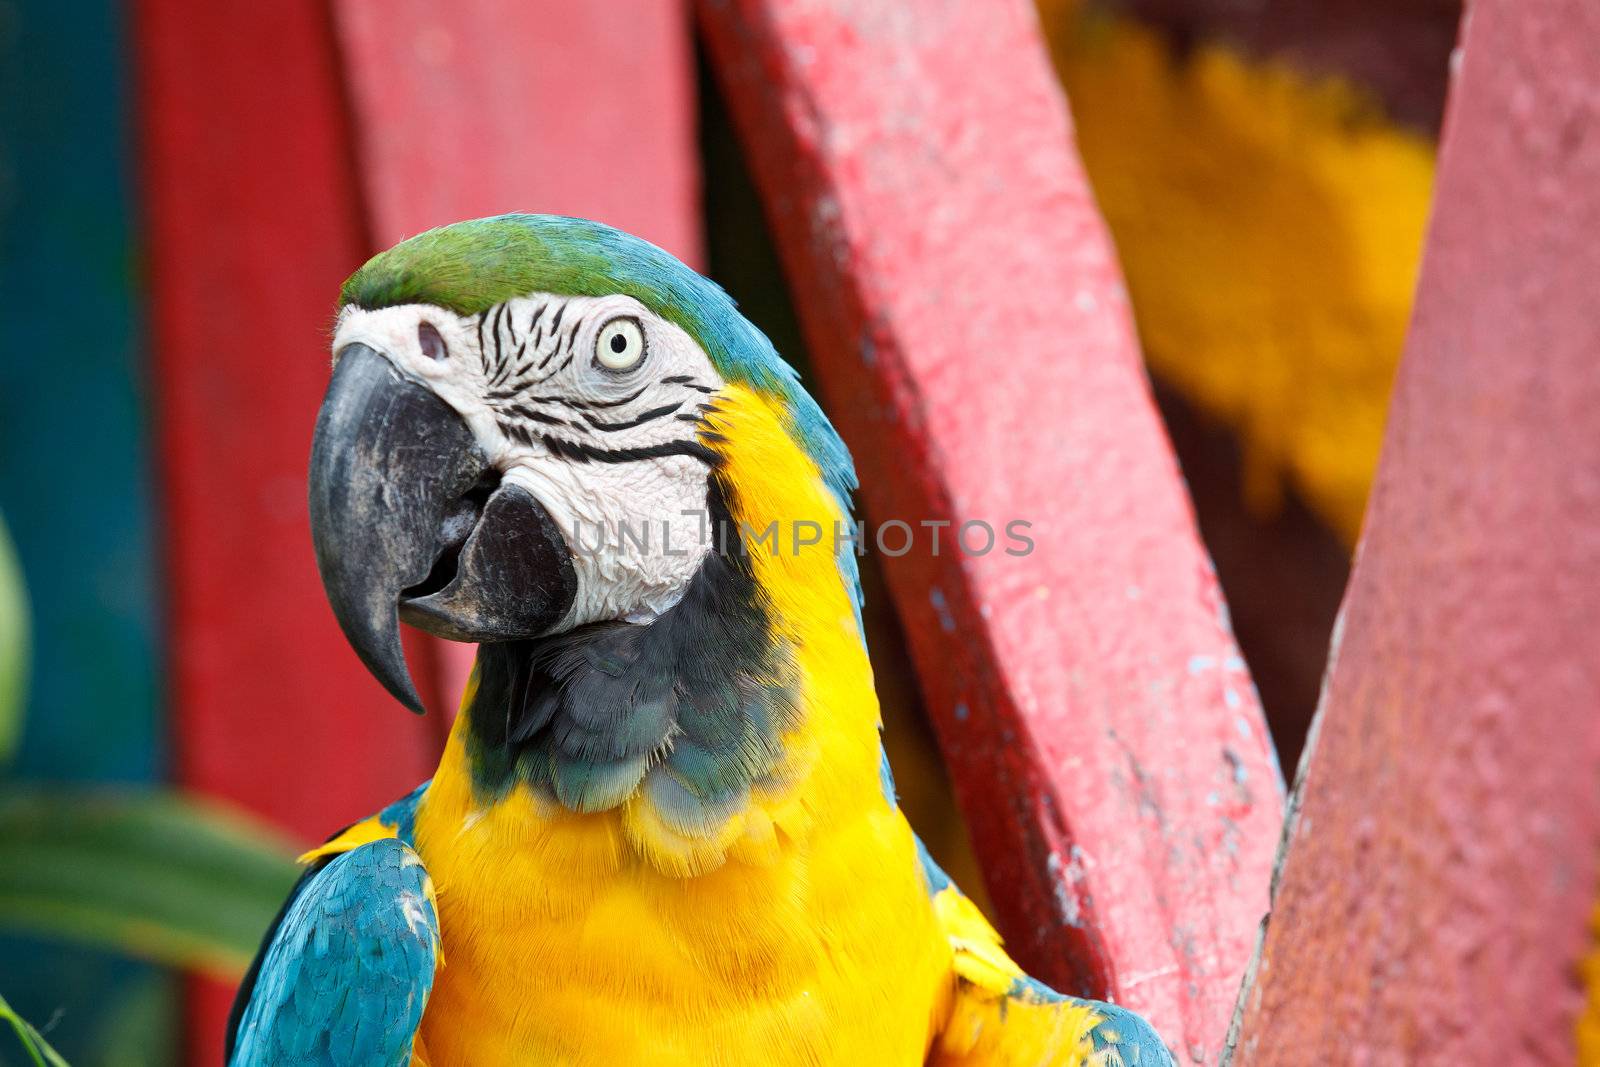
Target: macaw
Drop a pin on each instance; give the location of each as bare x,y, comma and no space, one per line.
662,829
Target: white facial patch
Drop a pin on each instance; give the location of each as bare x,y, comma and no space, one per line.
589,403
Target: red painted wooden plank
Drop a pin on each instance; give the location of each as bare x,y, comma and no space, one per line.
966,316
483,107
252,221
1442,865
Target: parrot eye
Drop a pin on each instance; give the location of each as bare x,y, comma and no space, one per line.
620,344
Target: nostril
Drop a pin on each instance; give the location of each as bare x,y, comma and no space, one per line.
457,524
431,343
460,519
484,487
465,512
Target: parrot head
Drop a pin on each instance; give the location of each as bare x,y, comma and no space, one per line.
521,436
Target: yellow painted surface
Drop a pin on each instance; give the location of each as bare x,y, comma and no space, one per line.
1269,226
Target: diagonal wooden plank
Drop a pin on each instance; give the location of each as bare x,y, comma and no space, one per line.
482,107
1440,865
965,315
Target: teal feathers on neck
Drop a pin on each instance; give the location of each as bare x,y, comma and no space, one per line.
689,711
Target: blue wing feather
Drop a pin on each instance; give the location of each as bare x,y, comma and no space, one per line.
349,968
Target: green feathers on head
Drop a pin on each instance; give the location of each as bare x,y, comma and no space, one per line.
469,267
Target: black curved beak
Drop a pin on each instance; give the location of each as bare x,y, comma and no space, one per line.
409,520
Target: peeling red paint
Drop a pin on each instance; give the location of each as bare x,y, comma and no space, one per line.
967,319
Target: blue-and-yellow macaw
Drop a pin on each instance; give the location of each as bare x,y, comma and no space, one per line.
663,829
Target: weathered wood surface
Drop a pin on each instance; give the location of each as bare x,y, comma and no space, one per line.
966,317
482,107
252,220
1441,866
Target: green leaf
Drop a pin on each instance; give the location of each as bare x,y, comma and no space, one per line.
154,875
38,1049
13,646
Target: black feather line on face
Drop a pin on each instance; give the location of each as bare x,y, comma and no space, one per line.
590,405
518,367
535,415
638,420
703,696
583,453
500,364
483,354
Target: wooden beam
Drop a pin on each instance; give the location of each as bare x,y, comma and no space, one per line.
965,314
252,220
1441,860
481,107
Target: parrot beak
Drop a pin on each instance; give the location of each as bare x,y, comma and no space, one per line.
410,520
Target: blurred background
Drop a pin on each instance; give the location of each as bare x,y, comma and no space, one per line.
1264,166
